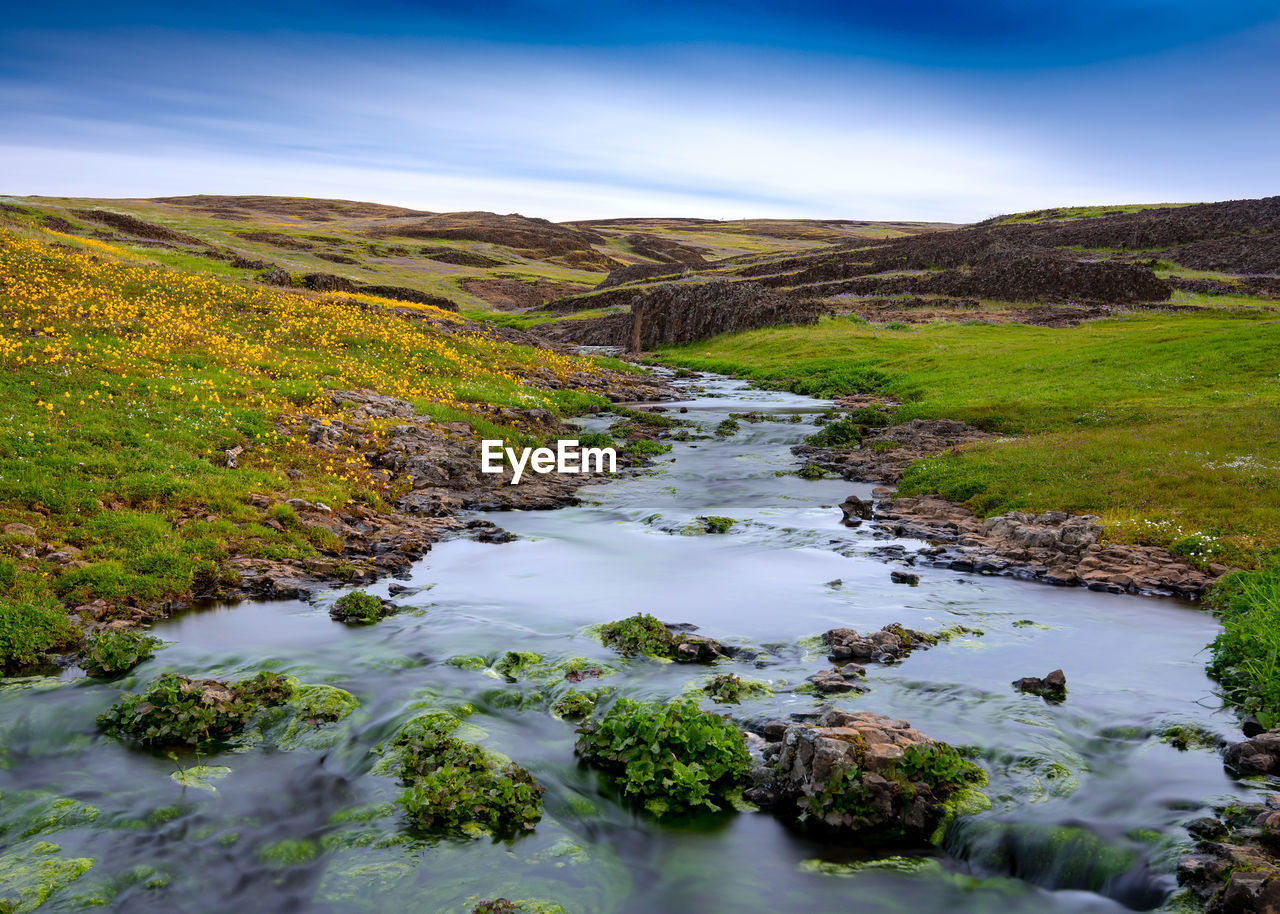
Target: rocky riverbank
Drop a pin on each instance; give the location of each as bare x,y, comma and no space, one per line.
435,468
1054,547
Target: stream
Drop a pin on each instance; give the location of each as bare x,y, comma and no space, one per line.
313,828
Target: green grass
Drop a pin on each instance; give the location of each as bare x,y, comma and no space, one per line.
1167,425
1246,656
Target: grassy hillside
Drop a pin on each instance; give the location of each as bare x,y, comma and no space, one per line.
125,381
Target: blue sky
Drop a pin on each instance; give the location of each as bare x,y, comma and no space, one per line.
885,110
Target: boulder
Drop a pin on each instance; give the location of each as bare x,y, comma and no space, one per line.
1052,687
1260,755
854,772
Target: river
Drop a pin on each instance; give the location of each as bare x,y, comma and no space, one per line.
312,828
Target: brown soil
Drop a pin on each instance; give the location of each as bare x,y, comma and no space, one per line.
278,240
302,208
459,257
664,250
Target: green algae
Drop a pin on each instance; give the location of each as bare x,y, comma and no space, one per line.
32,873
516,664
289,852
895,864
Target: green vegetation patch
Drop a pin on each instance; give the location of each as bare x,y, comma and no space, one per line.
639,634
359,608
113,653
456,787
672,757
730,689
1246,655
175,710
32,624
31,874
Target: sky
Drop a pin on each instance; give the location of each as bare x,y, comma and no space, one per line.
930,111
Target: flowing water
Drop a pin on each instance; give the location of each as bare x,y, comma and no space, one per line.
1073,786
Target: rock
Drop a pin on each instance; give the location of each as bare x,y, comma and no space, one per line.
328,282
854,508
832,682
26,531
232,455
844,772
904,577
774,730
1052,687
1252,727
891,643
276,277
1054,547
698,649
64,556
1259,755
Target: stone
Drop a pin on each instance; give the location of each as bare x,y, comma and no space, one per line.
1259,755
904,577
855,509
1052,687
26,531
832,682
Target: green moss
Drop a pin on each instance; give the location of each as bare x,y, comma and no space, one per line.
638,634
811,471
113,653
714,523
730,689
727,427
289,852
516,664
573,705
33,873
899,865
672,757
358,608
1190,736
468,662
843,433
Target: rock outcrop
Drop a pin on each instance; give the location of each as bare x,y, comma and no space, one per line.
885,454
859,772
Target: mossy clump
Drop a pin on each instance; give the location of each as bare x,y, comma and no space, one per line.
175,710
114,653
573,705
842,433
359,608
811,471
730,689
456,787
671,757
727,427
638,634
1190,736
289,852
715,523
516,664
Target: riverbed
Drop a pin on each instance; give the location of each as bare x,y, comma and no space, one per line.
314,828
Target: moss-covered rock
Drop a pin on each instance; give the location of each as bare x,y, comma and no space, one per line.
360,608
730,689
644,634
573,705
864,773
